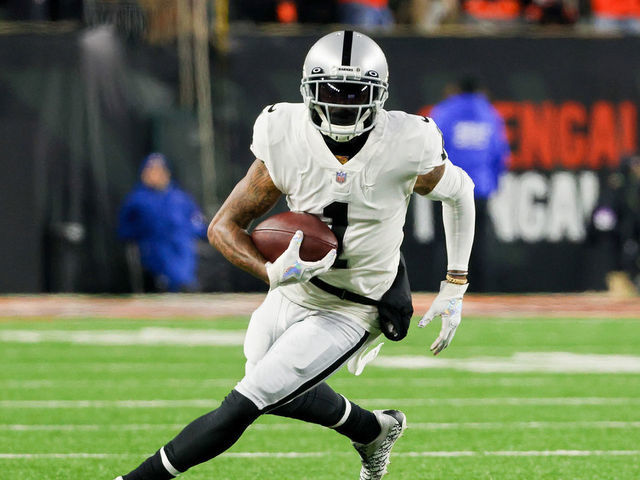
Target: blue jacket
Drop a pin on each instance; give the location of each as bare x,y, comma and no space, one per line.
165,225
475,138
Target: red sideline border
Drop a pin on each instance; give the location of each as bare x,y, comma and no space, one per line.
600,305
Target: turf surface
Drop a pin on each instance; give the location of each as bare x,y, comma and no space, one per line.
92,411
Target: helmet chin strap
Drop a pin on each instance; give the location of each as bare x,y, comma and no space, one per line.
341,133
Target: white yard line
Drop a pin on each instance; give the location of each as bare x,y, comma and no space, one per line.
227,382
396,402
29,456
444,454
87,427
518,362
117,383
515,401
562,453
306,426
529,362
143,336
54,367
198,402
526,453
524,425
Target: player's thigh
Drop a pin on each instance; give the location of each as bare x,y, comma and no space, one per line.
303,356
268,322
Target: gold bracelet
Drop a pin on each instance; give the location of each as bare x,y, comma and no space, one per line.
458,281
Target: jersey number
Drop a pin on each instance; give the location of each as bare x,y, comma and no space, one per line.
337,212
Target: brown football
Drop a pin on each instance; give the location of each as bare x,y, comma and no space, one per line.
272,236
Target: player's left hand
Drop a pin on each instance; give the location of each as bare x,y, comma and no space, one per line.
289,268
448,305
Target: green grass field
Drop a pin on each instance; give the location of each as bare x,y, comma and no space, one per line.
76,403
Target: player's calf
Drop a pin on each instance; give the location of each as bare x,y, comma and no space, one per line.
323,406
204,438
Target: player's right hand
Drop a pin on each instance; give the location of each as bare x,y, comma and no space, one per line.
289,268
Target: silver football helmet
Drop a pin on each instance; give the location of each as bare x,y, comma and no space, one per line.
344,84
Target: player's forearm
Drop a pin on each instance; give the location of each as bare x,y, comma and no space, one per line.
459,224
251,198
455,191
236,245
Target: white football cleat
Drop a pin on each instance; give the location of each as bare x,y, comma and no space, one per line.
375,455
119,478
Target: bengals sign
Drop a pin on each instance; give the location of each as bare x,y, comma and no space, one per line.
553,184
569,135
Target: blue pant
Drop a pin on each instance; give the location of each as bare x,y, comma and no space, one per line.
364,16
613,24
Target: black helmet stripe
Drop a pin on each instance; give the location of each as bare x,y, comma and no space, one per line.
346,47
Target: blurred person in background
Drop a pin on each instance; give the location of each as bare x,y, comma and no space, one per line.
496,12
551,12
628,208
475,137
48,10
615,226
285,11
317,11
164,222
429,14
258,11
365,13
616,16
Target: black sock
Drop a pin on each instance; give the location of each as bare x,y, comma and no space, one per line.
323,406
201,440
151,468
361,426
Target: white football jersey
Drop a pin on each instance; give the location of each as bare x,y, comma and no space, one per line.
364,201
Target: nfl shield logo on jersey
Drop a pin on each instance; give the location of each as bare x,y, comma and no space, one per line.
341,177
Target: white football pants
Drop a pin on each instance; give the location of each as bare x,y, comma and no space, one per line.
290,349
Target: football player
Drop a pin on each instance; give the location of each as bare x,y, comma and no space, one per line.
341,156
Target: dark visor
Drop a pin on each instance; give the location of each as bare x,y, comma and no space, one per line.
344,93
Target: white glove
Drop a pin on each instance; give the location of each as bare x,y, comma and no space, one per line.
288,268
448,304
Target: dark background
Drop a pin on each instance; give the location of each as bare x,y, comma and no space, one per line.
76,120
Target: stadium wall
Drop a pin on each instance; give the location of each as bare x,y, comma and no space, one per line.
79,111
